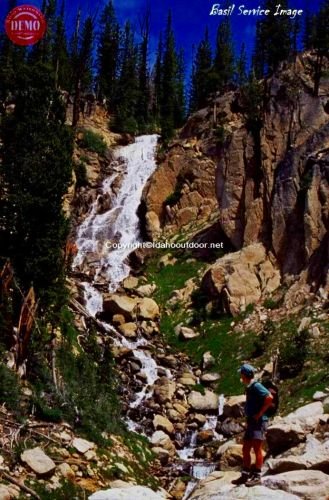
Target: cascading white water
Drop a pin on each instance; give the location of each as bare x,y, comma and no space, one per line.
93,299
118,224
102,233
107,266
150,370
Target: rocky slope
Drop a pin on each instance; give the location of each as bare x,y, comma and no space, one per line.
270,188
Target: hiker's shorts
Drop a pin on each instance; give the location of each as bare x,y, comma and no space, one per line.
256,430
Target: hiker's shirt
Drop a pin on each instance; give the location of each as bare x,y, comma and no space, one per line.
255,397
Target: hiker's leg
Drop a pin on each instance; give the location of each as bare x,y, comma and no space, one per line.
245,473
255,478
257,445
246,449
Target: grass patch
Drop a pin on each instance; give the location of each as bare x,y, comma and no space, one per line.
302,363
10,389
228,349
171,277
93,142
67,490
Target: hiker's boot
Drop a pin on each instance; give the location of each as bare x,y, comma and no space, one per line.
254,478
245,474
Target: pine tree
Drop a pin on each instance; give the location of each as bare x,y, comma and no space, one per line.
42,51
35,171
258,57
200,86
224,56
309,31
143,102
241,67
108,54
180,100
273,38
82,64
12,57
321,43
295,30
128,84
157,82
60,53
169,72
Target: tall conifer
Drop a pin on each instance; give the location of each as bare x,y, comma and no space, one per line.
200,85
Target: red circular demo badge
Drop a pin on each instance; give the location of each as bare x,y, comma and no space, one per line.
25,25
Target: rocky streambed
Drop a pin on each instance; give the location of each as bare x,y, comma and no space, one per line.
191,430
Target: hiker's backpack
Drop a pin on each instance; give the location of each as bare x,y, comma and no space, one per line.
274,390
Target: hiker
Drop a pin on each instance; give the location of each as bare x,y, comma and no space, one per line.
258,400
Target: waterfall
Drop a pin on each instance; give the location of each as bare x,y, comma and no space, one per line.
104,241
107,238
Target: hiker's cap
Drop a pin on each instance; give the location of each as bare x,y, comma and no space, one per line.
247,370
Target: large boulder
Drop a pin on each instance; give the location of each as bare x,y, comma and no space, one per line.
128,330
203,402
306,484
282,436
218,486
242,278
315,456
188,333
231,458
164,390
127,493
234,407
82,445
208,360
9,492
230,455
163,424
148,309
120,304
209,488
307,416
160,439
130,283
38,461
291,430
130,308
209,378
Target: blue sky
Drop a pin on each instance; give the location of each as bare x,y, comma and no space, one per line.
190,17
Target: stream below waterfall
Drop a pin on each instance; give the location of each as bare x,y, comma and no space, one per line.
107,264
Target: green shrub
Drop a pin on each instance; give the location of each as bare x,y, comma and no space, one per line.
220,135
67,490
198,388
124,124
89,395
10,389
45,412
80,170
174,197
93,142
271,304
293,353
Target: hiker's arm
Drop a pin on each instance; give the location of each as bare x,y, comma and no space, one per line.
267,403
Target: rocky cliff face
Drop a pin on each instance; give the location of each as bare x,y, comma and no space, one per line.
270,189
181,192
